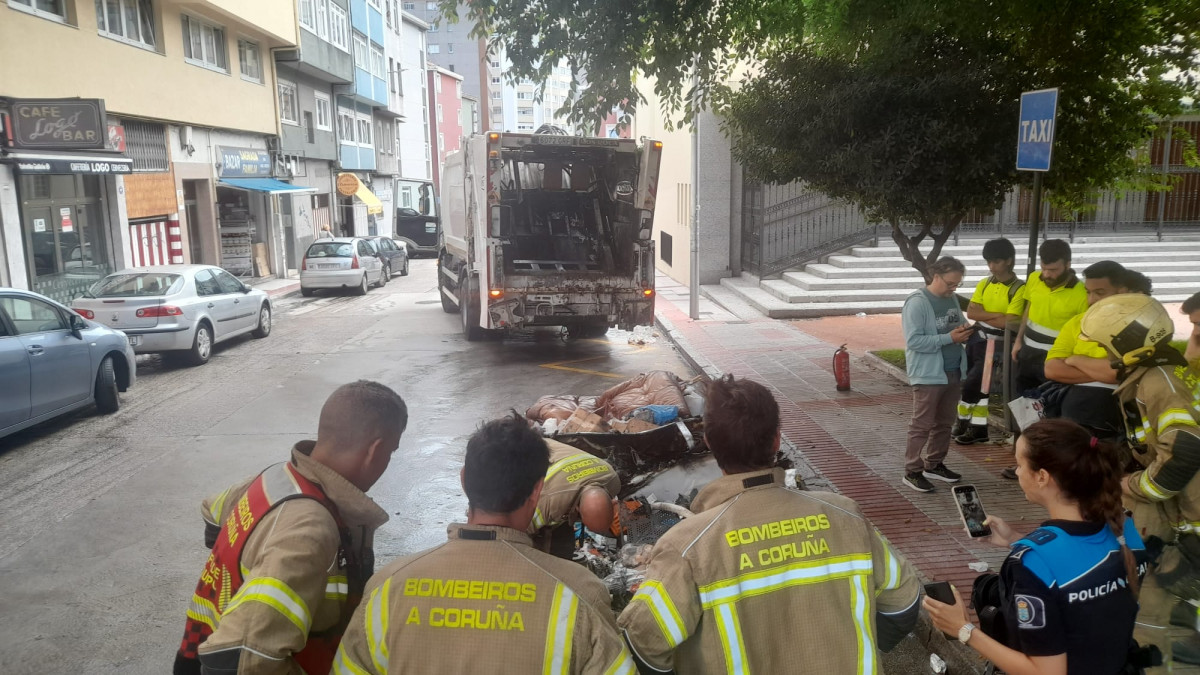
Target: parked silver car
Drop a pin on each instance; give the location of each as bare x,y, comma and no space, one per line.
341,262
53,361
184,309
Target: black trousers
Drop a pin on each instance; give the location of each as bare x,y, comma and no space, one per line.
1030,371
1096,409
972,384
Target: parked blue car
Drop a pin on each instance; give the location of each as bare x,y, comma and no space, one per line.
53,361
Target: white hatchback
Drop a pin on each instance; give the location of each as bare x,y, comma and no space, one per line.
342,262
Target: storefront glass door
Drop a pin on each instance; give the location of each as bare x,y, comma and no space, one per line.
62,220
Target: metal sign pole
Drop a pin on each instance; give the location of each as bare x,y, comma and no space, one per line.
694,262
1035,222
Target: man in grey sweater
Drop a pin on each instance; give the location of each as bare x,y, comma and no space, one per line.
934,333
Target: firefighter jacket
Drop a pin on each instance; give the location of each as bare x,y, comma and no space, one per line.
769,579
303,564
1166,436
570,471
485,601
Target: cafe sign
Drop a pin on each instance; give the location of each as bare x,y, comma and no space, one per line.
58,124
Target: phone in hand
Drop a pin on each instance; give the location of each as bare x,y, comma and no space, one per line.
971,511
940,591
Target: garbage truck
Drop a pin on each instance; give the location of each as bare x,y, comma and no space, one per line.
547,229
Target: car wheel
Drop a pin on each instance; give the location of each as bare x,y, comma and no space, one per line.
107,400
264,322
404,270
362,287
387,270
306,292
201,346
384,274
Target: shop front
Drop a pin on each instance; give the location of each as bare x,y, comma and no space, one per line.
360,208
249,213
54,155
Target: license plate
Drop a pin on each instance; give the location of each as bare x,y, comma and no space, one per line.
327,266
134,340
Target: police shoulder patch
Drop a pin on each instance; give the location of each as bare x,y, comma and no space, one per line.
1031,611
1042,536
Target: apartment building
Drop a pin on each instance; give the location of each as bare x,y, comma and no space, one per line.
445,119
138,132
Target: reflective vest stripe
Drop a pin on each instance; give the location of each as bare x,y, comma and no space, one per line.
539,521
214,511
203,611
560,632
862,625
892,579
1151,490
342,665
337,588
558,466
276,595
377,626
760,583
663,610
731,635
1178,416
623,665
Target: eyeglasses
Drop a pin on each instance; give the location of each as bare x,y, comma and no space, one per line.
950,284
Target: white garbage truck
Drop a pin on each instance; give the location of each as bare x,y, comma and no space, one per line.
546,229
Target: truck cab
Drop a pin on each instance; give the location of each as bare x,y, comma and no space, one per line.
417,220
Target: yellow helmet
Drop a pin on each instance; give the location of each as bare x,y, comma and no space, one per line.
1130,326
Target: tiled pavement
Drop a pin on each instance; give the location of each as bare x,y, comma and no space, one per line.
851,442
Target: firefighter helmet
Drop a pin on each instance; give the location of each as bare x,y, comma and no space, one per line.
1130,326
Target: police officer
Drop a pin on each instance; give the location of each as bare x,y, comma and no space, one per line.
1165,432
767,578
486,600
578,486
993,305
291,548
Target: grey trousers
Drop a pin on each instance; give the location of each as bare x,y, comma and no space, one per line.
935,407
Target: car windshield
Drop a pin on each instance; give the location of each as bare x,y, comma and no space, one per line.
330,249
139,284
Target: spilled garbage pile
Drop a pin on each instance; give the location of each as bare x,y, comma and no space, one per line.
650,429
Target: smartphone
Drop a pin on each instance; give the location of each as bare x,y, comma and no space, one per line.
971,510
940,591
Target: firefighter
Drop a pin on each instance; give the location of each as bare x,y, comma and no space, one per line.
291,548
578,486
486,600
1165,432
767,578
993,305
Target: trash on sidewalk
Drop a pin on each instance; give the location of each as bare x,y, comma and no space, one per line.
657,415
936,664
583,422
978,566
643,335
657,387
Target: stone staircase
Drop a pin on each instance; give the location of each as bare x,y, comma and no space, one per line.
876,279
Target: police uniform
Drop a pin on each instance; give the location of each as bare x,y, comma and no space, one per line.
1049,310
770,579
995,297
1065,590
571,470
485,601
1091,404
291,552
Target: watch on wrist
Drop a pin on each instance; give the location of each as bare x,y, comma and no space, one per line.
964,633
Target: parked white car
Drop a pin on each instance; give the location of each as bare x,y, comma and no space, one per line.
177,309
341,262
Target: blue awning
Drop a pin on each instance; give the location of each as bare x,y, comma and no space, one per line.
267,185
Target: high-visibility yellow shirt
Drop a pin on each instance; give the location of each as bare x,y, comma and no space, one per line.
1068,343
1050,308
996,296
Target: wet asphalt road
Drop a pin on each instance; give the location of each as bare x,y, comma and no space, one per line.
101,537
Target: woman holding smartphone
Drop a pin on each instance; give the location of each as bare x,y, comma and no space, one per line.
1068,590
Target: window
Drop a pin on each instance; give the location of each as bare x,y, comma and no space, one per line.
378,65
373,3
33,316
495,94
430,6
449,27
250,58
524,111
495,64
47,9
439,112
203,44
322,7
524,95
309,132
364,131
146,145
227,282
433,27
289,106
129,21
450,48
339,28
664,247
437,83
441,142
345,125
458,88
435,49
206,284
391,74
323,116
362,57
496,80
308,15
409,6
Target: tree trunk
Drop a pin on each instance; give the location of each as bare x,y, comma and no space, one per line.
910,246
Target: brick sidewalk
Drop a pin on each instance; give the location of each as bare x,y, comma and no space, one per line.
854,440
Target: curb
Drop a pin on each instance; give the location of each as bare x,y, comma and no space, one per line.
960,659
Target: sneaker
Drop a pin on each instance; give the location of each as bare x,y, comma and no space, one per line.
960,427
1009,473
976,433
916,481
940,472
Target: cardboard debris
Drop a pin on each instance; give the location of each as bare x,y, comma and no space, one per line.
633,426
583,422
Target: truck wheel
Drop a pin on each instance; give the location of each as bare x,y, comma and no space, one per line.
448,305
468,301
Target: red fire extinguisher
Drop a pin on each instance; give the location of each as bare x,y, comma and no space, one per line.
841,368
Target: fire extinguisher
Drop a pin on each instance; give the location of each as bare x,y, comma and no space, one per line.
841,368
